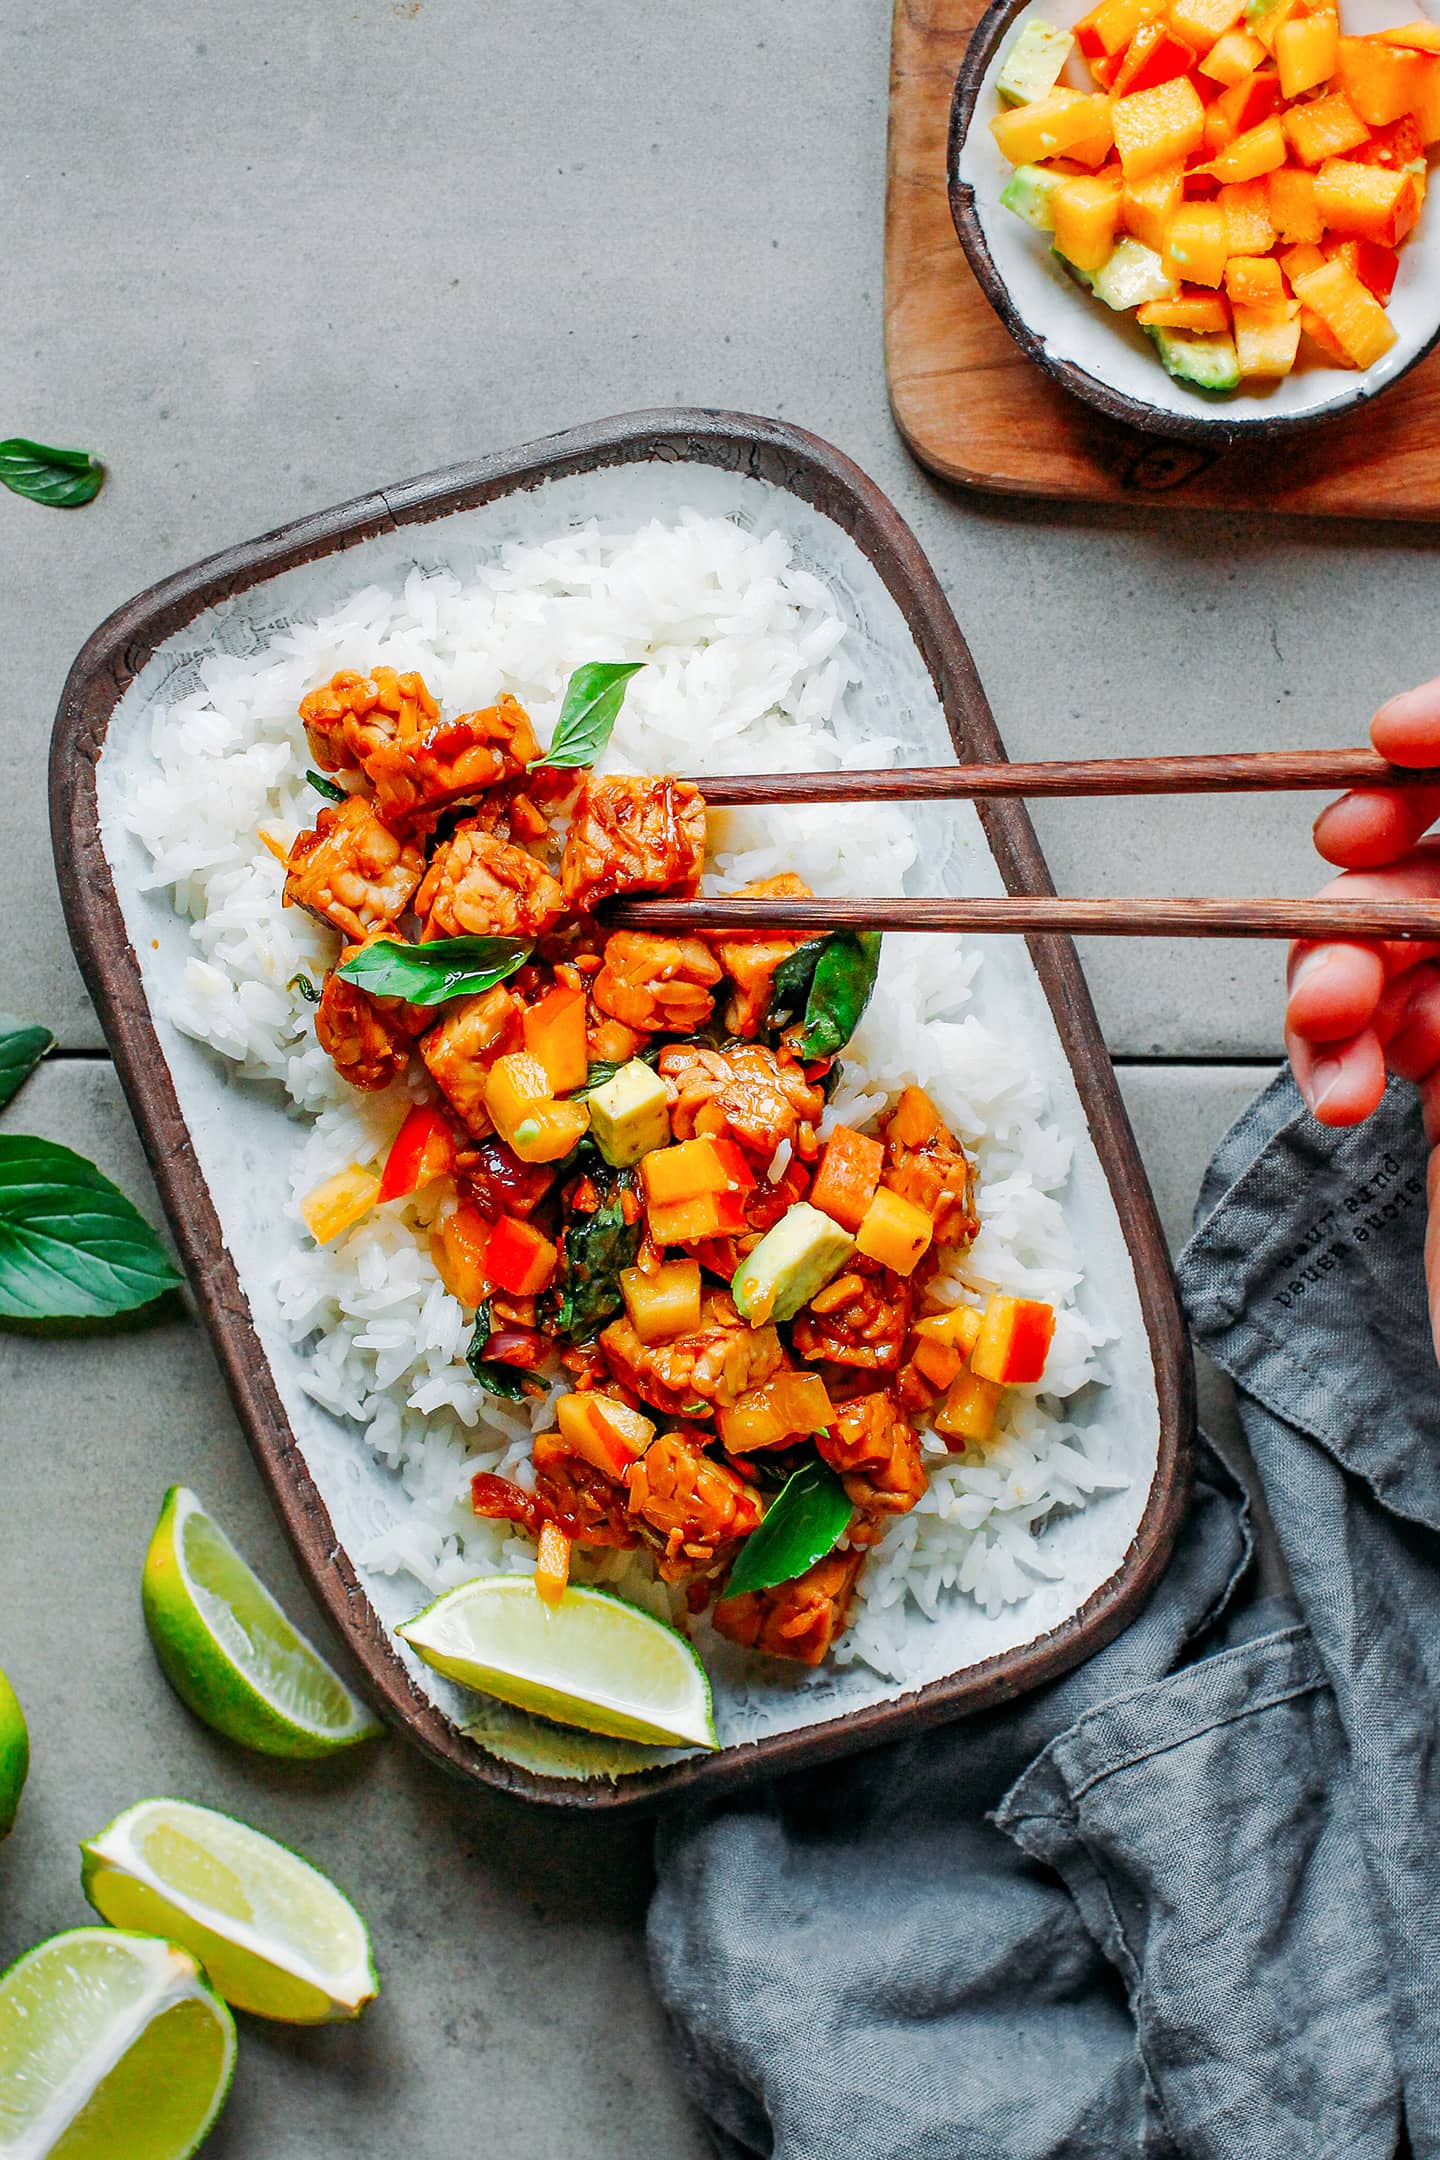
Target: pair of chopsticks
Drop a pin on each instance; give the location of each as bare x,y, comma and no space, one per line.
1244,772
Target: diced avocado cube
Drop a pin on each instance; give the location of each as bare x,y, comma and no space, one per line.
1132,275
1203,363
1033,63
1081,277
630,1115
1028,191
803,1252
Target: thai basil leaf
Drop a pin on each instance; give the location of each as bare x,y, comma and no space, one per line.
429,974
593,1250
802,1524
306,988
61,478
591,706
790,984
71,1245
844,978
325,787
21,1049
494,1375
603,1069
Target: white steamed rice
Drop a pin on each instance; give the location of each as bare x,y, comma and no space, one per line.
745,670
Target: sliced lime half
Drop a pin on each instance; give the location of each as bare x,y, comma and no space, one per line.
112,2047
591,1660
229,1651
14,1755
273,1933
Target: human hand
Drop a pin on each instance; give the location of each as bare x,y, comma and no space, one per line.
1356,1010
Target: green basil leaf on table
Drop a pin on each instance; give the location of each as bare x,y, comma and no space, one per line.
593,1250
21,1049
803,1523
63,479
591,706
429,974
71,1245
494,1375
325,787
839,993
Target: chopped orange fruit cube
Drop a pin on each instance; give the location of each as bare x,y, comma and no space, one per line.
339,1203
1415,37
1147,206
1251,156
1266,343
1376,267
1197,245
1154,55
1050,126
552,1563
1367,201
969,1409
1381,81
1293,210
1245,207
1108,29
1328,127
1255,282
1204,312
1158,127
1305,52
1353,316
1086,210
1304,256
1232,58
662,1302
895,1232
958,1329
1201,22
1014,1341
1426,108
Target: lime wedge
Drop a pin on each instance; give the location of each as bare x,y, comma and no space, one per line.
228,1650
14,1755
272,1932
591,1660
112,2047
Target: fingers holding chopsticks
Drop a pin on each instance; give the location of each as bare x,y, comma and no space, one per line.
1371,826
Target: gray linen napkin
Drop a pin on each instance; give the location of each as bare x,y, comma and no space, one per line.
1184,1901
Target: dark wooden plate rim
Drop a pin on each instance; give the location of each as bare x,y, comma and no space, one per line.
788,458
1211,425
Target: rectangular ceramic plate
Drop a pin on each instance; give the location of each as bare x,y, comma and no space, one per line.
213,1143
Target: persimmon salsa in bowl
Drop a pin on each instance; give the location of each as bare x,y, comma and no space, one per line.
1239,175
616,1138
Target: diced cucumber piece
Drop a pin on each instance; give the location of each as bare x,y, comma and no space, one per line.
1081,277
1028,191
1204,363
1131,276
1033,63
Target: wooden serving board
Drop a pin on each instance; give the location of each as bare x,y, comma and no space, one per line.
974,409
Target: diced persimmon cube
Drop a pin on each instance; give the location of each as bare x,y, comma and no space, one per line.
1220,129
1158,127
939,1364
1304,256
1381,81
1086,211
1305,52
1092,150
849,1172
1327,127
1267,27
682,1172
1414,37
1014,1341
339,1202
662,1301
1197,245
958,1329
1207,313
554,1032
1255,282
686,1222
1367,201
1398,146
1154,55
1050,126
1266,343
1426,108
1353,316
969,1409
1376,267
1109,28
1201,22
1245,207
1293,210
1324,339
1251,156
1245,104
1232,58
1147,206
895,1232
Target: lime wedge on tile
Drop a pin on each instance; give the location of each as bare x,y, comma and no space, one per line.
273,1933
14,1755
228,1650
112,2047
592,1660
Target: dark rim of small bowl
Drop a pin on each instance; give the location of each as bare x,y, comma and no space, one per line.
1208,426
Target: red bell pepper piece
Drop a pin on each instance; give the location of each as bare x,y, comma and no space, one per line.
1154,55
422,1150
518,1258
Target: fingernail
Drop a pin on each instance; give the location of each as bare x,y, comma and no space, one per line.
1312,964
1324,1079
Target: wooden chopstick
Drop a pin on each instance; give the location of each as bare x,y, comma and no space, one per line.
1040,914
1240,772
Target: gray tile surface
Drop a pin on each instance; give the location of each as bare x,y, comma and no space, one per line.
292,253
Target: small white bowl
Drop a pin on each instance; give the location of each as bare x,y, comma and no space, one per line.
1106,358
